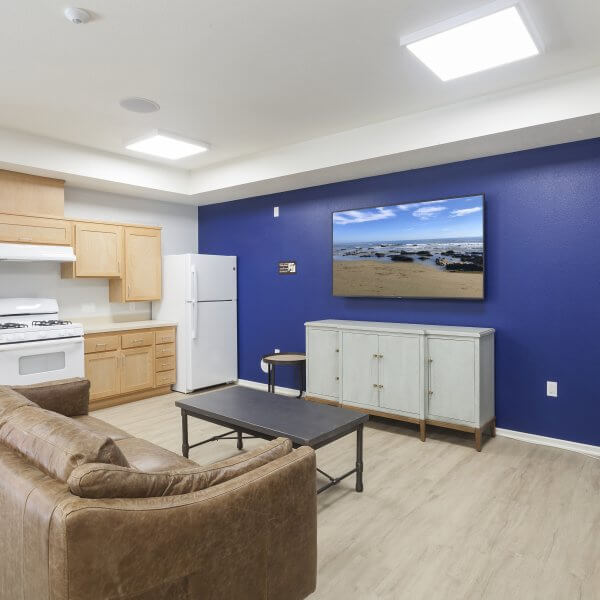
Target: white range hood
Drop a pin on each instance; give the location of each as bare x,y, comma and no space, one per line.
34,252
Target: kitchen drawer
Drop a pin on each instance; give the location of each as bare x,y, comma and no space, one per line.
136,340
165,364
165,350
101,343
165,378
165,336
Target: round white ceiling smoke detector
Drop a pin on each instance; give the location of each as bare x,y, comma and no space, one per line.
139,105
77,16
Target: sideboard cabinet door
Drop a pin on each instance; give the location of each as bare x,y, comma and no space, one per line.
401,373
452,379
323,363
360,363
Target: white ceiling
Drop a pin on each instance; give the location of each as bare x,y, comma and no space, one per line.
250,78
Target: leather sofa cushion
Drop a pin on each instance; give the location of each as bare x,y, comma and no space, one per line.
69,397
55,443
110,481
9,401
101,427
146,456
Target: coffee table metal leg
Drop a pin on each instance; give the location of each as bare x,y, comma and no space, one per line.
185,447
359,458
240,443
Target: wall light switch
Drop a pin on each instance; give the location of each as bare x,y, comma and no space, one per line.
276,211
552,389
277,350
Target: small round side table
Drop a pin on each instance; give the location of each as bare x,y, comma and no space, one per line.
289,359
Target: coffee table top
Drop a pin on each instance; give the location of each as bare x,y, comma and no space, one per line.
302,421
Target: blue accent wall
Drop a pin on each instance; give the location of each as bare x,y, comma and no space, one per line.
542,275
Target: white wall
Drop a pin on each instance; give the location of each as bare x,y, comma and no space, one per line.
87,299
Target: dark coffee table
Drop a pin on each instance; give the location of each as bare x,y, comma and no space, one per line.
264,415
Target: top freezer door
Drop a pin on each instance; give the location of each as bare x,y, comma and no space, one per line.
211,278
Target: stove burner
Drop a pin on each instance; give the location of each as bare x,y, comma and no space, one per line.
49,323
12,325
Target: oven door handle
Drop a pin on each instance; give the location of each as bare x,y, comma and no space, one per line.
41,344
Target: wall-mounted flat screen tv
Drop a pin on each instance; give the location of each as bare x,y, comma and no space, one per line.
431,249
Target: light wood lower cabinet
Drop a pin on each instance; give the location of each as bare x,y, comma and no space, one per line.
104,372
425,374
124,366
137,369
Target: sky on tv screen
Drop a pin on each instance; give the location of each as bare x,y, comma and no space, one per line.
434,219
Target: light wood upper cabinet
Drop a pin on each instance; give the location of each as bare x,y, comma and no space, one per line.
99,251
137,372
98,248
23,194
102,369
142,280
34,230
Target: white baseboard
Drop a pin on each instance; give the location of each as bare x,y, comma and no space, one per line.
509,433
548,441
255,385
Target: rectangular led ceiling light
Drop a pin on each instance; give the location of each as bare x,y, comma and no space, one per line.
166,145
482,43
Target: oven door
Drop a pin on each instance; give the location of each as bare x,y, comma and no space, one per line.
37,362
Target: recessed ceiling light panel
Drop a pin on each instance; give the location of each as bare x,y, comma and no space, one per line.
139,105
480,44
167,145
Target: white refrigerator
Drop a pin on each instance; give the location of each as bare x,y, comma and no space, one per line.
200,294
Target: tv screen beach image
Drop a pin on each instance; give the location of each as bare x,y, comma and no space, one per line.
432,249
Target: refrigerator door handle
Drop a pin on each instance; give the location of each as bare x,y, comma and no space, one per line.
193,285
194,306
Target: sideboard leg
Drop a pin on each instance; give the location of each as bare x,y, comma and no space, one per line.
422,433
478,439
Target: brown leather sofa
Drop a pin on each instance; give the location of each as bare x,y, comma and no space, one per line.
88,512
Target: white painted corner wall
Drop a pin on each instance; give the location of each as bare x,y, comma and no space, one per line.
87,299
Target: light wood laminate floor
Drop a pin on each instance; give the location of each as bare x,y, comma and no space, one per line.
437,520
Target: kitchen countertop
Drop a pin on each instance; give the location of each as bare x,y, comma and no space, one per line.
124,326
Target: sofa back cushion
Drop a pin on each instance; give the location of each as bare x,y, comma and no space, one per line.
111,481
9,401
69,397
55,443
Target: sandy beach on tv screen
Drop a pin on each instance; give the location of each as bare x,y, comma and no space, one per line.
373,278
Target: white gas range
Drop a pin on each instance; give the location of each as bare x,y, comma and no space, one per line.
36,346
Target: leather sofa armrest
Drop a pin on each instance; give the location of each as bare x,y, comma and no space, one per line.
251,537
69,397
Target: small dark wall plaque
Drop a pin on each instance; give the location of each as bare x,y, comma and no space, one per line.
287,268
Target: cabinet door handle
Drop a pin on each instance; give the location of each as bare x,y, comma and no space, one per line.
138,341
375,355
337,349
430,360
99,345
337,378
430,392
375,385
380,387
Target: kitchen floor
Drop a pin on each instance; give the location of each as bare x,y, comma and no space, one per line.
437,520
